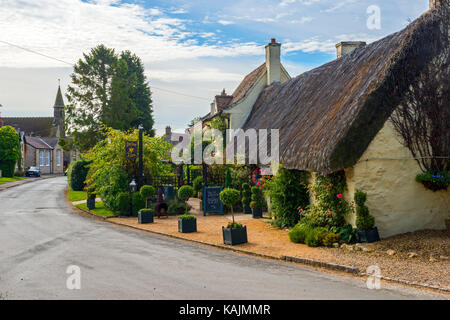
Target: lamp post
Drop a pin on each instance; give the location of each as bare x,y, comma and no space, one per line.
141,163
133,189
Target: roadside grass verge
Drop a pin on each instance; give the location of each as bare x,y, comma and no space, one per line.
76,195
5,180
99,209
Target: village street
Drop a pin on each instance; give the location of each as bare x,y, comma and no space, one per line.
41,236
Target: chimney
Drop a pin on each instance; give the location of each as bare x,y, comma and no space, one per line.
344,47
273,63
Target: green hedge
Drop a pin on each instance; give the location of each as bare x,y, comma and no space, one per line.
78,174
7,167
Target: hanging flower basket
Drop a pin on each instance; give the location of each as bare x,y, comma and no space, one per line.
434,181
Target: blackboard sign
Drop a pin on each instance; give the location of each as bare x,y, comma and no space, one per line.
211,200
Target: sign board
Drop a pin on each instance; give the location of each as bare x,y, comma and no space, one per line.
211,200
131,149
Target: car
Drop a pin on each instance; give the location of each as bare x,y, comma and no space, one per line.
33,172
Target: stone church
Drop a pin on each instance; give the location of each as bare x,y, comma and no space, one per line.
40,139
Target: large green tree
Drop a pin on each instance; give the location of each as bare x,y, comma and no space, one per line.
9,150
109,89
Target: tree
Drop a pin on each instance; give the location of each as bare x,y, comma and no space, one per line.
10,151
140,93
107,89
89,94
422,119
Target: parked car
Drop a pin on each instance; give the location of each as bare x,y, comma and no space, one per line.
33,172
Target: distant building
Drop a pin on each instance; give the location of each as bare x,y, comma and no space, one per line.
40,137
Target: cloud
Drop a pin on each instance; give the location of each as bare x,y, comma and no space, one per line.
225,22
339,5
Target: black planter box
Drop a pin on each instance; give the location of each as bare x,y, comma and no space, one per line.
90,203
247,209
187,225
257,213
234,235
145,216
367,236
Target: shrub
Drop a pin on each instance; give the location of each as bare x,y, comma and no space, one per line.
257,198
234,225
246,194
364,221
145,210
329,208
288,192
315,236
78,174
147,192
122,203
330,238
197,184
346,233
186,217
138,203
10,151
184,193
299,232
176,206
230,197
228,180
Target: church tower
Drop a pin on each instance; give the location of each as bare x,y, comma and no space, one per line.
58,114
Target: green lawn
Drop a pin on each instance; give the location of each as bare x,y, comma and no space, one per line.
4,180
76,195
99,209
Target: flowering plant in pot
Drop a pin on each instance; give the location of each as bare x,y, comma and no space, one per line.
246,198
365,223
234,233
257,202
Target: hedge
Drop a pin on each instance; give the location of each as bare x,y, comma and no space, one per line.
78,174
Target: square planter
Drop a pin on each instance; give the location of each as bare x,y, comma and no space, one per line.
145,216
257,213
367,236
187,225
247,209
234,236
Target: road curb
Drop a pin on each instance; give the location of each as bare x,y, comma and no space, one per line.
316,263
304,261
6,187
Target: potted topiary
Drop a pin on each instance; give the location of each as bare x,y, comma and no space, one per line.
90,202
187,223
184,193
364,221
148,192
246,198
146,216
234,233
257,202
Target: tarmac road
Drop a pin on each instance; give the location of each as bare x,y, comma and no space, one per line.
41,236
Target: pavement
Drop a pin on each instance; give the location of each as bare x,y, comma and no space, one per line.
41,237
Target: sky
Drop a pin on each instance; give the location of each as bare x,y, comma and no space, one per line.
191,49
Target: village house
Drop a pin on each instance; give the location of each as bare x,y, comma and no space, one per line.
40,139
337,117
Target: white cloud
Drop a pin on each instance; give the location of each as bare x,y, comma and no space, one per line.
46,27
194,74
225,22
339,5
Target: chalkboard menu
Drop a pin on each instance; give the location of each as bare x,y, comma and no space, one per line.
211,200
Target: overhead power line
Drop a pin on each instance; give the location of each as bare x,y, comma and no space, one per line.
71,64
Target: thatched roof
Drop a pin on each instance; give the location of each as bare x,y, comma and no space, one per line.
328,116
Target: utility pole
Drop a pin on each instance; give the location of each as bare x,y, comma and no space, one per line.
141,163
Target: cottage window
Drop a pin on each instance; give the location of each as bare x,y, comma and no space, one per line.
47,162
41,158
58,157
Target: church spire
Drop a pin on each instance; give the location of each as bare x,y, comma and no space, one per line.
59,102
